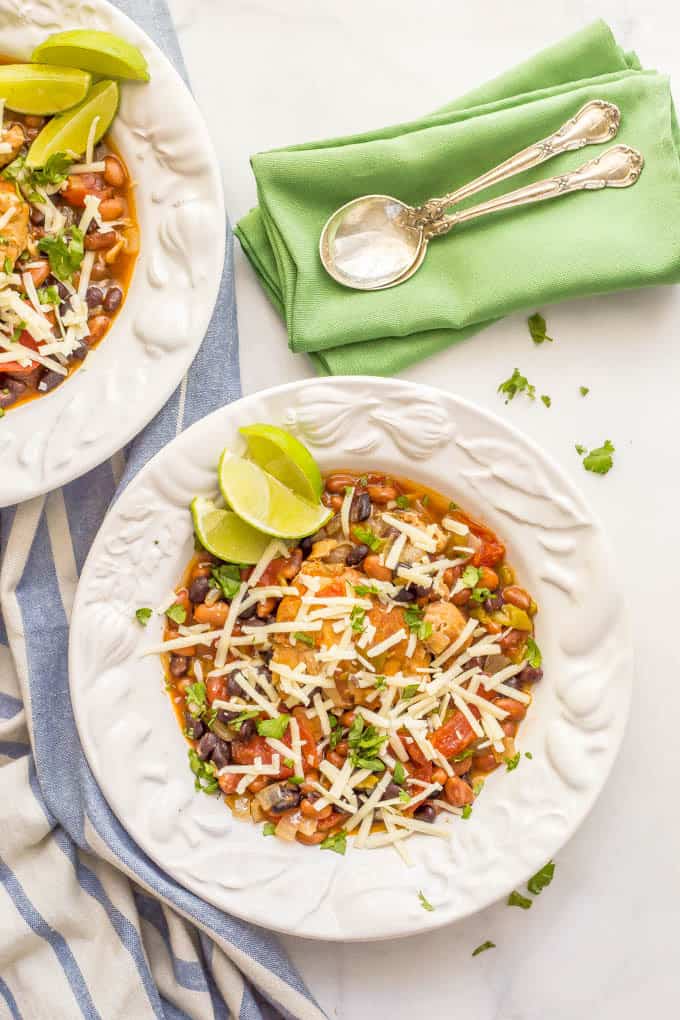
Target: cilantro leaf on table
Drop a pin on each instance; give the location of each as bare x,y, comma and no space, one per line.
600,460
580,449
424,902
546,399
484,946
517,383
143,615
515,899
512,763
541,879
584,390
269,829
537,328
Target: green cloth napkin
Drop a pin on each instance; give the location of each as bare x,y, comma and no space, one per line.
586,243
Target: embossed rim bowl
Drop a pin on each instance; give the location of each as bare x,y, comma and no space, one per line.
132,740
127,379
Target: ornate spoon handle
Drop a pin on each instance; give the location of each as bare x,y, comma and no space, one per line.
595,123
618,167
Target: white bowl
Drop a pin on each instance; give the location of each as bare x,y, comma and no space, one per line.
521,819
128,378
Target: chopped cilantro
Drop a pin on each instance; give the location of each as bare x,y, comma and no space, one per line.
403,502
413,617
297,780
584,390
269,829
65,256
515,899
600,460
363,480
512,763
14,170
580,449
8,266
226,577
467,810
528,754
250,714
541,879
403,795
424,902
380,683
546,399
484,946
306,639
336,842
399,774
55,170
479,595
273,727
358,619
470,577
176,613
196,699
335,738
467,753
367,537
425,500
537,328
533,653
409,691
453,506
143,615
365,743
2,412
366,589
49,295
205,773
333,721
289,763
517,383
478,787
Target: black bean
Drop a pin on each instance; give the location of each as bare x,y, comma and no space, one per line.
49,381
404,595
306,545
80,353
419,590
226,717
195,727
198,589
247,730
94,297
530,675
361,507
206,746
114,296
178,665
7,398
233,687
92,227
63,308
62,289
248,613
426,813
476,663
15,386
356,555
391,791
37,217
221,754
493,603
289,797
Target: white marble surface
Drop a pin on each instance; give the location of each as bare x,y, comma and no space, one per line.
602,940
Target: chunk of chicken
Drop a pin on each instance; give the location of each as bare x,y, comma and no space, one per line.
446,621
13,135
14,234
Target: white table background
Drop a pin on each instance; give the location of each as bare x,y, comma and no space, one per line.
602,940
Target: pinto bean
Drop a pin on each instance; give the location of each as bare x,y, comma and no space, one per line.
39,273
488,578
112,208
461,598
215,615
313,840
509,727
114,172
374,568
458,792
517,596
336,501
485,762
515,709
97,325
101,240
100,270
338,482
382,494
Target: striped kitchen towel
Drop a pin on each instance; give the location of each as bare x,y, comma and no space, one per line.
89,926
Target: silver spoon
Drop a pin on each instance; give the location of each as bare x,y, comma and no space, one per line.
376,241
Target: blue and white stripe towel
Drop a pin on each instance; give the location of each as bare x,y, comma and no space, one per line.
89,926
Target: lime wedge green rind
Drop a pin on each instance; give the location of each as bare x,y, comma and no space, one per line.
69,132
261,500
224,534
103,53
282,455
40,90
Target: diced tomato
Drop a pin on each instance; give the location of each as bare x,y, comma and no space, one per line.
81,185
13,366
489,554
310,754
244,752
454,736
229,781
423,772
216,688
331,590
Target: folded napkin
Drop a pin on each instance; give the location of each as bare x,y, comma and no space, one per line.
90,926
574,246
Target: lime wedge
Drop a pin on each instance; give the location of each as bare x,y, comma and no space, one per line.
261,500
40,90
69,132
224,534
102,53
283,456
